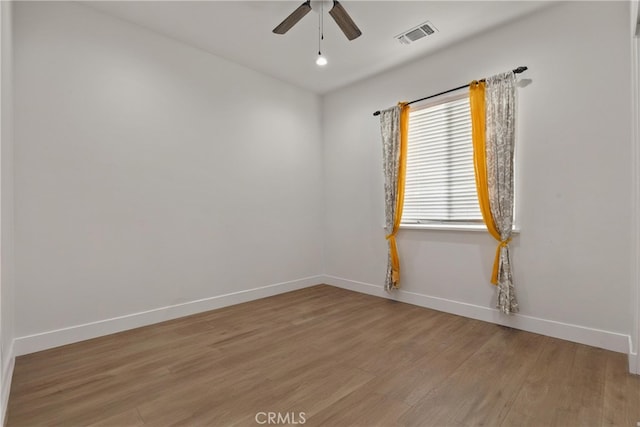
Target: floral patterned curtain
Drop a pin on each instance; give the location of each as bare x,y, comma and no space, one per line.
493,122
500,107
394,124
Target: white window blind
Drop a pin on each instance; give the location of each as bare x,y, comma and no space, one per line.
440,182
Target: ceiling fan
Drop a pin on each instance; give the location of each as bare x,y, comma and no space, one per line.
337,12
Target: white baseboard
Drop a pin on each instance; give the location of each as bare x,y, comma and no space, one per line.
575,333
50,339
7,375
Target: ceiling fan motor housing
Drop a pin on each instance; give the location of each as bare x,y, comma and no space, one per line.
321,5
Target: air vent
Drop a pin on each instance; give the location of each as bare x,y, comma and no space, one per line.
421,31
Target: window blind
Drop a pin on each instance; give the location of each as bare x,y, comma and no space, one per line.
440,181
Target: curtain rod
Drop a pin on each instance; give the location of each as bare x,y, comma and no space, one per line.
515,71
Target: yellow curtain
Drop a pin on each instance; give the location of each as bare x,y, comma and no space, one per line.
476,100
402,174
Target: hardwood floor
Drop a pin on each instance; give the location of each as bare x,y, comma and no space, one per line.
339,357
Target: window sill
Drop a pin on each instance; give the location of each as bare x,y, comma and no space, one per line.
450,227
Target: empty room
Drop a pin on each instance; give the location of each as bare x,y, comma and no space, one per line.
322,213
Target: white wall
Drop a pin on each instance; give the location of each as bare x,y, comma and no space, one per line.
151,174
634,21
7,313
572,261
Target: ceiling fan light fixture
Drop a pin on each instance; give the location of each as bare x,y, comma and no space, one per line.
321,61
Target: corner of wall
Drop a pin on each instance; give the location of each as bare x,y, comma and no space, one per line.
7,375
323,189
634,342
634,360
7,332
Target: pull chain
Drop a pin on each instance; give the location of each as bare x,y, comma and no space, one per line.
321,61
320,29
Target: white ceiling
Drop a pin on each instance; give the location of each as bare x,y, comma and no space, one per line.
241,32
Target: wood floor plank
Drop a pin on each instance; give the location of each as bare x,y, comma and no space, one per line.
585,388
481,389
545,393
440,358
340,357
620,389
125,419
361,408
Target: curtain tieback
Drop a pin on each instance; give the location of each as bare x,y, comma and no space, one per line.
496,261
395,259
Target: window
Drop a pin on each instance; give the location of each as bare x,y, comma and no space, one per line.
440,182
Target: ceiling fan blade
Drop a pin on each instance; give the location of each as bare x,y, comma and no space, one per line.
293,19
344,21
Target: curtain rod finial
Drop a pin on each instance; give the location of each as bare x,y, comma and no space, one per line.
377,113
